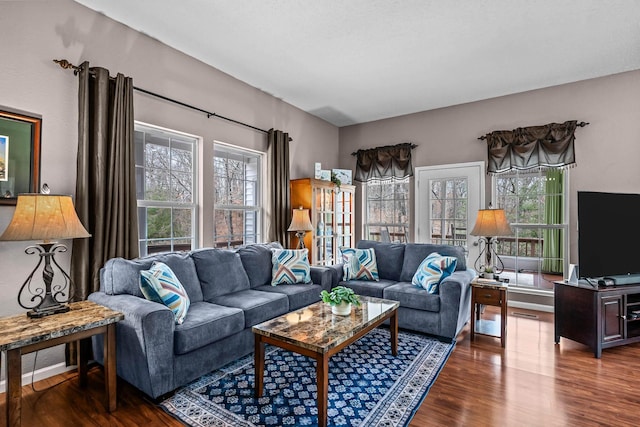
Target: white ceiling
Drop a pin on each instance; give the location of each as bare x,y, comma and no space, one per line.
353,61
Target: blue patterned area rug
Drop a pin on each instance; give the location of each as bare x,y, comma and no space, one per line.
367,386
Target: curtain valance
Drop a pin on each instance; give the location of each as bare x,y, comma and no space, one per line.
551,145
391,161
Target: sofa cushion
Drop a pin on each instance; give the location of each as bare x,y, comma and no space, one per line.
415,253
122,276
368,288
290,266
220,272
388,257
300,295
256,259
410,296
432,271
359,264
159,284
206,323
257,306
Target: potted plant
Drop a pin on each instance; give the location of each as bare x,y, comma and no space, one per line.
340,299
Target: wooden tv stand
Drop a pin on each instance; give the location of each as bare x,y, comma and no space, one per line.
600,318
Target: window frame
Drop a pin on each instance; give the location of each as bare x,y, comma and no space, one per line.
368,225
143,240
257,209
564,226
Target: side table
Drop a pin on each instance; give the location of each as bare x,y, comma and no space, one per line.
22,335
492,293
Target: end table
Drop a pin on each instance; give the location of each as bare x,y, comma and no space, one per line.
494,293
21,335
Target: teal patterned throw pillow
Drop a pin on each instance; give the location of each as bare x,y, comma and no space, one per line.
290,266
433,270
160,284
359,264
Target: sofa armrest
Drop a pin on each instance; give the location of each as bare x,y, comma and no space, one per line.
144,342
322,276
455,302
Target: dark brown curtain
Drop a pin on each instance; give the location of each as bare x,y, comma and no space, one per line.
105,178
392,161
551,145
279,215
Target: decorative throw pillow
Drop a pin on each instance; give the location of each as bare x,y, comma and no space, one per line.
290,266
359,264
433,270
160,284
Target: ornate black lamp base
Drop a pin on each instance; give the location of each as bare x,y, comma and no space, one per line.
47,311
50,298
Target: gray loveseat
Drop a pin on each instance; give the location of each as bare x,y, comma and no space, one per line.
442,315
230,291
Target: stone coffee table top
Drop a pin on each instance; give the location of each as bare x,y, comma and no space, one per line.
316,328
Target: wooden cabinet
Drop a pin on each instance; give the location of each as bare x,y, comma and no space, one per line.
602,317
332,216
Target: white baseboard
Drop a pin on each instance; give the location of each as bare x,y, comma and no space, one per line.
531,306
40,374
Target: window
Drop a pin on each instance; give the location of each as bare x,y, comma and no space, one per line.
165,181
387,210
534,203
449,211
237,199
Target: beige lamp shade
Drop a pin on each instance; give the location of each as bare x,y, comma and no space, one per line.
44,217
491,222
300,220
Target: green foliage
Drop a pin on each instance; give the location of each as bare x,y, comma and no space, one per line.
340,294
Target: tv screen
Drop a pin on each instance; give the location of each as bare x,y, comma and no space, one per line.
608,234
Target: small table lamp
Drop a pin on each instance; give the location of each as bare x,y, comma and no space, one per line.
490,223
300,223
45,217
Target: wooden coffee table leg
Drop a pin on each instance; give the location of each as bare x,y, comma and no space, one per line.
111,376
258,356
322,377
394,333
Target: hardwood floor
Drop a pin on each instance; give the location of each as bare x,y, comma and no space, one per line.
532,382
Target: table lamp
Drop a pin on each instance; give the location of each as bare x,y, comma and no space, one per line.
45,217
490,223
300,223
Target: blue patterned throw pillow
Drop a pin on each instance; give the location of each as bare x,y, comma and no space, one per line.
359,264
160,284
290,266
433,270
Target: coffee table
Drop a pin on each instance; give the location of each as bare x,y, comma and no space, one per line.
315,332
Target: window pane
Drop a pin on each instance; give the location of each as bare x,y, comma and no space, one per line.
182,223
158,223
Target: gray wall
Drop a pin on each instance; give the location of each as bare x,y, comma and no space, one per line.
607,151
32,33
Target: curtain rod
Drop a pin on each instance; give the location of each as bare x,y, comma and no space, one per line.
580,124
76,69
355,153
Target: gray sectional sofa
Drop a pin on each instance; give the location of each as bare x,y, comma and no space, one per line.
230,291
442,315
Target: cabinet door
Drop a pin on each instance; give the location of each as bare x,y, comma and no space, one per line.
344,219
612,320
324,222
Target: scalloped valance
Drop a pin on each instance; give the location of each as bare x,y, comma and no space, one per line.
390,161
547,146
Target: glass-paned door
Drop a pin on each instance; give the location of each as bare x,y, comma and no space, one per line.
344,218
447,201
323,252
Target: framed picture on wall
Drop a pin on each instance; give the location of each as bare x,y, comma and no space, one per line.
19,155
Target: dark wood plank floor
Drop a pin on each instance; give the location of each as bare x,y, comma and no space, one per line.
531,382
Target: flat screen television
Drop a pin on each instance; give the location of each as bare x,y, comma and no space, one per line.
608,234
